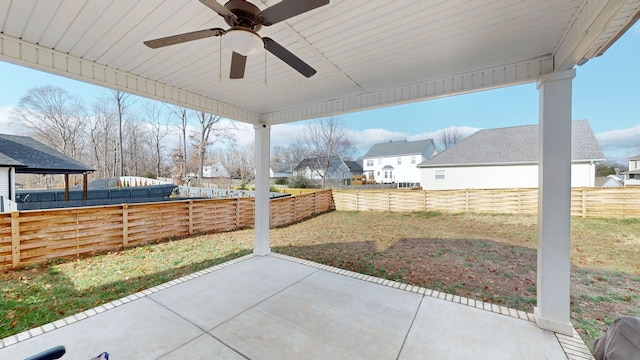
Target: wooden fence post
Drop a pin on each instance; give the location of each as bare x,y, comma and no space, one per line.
15,239
584,202
238,213
315,203
426,201
519,201
190,216
125,225
466,200
295,216
356,201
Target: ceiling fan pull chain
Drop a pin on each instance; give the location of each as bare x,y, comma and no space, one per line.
265,68
220,60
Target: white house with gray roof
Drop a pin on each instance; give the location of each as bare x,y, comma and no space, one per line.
507,158
396,161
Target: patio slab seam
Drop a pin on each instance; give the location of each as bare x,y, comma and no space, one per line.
573,346
28,334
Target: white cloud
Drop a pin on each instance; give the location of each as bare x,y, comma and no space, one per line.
285,134
243,132
363,140
619,145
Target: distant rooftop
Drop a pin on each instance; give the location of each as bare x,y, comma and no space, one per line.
517,144
395,148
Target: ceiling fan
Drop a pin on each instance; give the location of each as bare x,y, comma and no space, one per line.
245,19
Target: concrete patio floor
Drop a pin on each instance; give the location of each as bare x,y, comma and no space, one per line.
279,307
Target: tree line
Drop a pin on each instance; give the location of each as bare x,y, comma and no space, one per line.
119,134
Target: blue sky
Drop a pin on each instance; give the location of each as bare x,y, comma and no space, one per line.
606,91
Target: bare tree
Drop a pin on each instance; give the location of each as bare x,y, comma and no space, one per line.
326,139
239,162
209,132
156,118
103,137
55,117
138,155
287,157
449,137
122,101
182,114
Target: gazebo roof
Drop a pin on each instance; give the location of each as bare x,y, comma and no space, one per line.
367,53
29,156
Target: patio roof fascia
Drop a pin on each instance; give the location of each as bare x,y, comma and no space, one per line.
36,57
22,53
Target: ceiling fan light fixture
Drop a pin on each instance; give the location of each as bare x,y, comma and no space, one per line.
243,42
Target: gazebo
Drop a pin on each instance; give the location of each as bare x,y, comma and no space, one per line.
364,54
24,155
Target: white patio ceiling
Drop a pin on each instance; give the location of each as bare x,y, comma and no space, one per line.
367,53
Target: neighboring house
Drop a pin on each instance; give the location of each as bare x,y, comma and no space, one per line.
396,161
216,170
632,177
22,154
339,170
507,158
609,181
280,170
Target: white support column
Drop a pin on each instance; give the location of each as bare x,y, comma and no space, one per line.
262,205
554,202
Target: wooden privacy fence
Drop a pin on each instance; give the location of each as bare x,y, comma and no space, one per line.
585,202
35,236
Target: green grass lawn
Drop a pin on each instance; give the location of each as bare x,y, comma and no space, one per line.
486,257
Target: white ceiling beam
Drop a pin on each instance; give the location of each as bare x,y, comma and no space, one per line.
512,74
37,57
590,21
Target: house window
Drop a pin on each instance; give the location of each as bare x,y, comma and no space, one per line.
370,162
413,159
399,161
386,175
379,161
439,174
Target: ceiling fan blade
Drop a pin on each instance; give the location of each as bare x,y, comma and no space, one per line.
180,38
288,57
221,10
238,63
287,9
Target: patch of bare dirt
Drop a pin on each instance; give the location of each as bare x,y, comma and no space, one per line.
486,257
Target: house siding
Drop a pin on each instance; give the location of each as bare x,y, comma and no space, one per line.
498,177
406,172
338,171
5,187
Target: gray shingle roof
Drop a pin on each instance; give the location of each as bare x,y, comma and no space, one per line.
395,148
353,165
38,158
7,161
511,145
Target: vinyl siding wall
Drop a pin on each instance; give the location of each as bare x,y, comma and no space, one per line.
497,177
5,187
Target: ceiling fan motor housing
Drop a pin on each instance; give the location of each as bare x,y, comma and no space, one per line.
248,15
